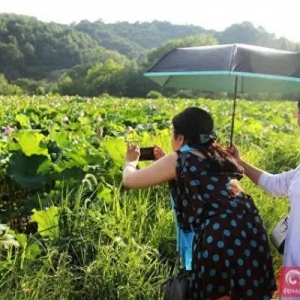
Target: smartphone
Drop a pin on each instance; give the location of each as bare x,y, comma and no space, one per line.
147,154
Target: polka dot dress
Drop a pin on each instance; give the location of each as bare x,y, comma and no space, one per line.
231,254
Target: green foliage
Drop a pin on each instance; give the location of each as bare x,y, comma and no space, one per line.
111,40
105,77
32,49
183,94
85,236
33,87
8,89
154,95
47,221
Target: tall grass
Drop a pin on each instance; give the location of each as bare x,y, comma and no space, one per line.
116,250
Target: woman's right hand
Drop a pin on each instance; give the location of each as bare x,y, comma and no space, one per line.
158,152
234,151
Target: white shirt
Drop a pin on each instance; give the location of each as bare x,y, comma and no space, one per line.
287,184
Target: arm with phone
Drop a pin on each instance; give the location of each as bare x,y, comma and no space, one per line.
151,153
162,170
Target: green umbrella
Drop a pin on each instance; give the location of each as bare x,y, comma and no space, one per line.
233,68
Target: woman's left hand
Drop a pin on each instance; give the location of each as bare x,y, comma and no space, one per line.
133,153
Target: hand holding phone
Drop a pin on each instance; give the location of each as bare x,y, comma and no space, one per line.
147,154
151,153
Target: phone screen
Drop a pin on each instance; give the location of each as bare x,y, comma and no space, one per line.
147,154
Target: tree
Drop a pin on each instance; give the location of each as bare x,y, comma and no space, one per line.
105,78
66,85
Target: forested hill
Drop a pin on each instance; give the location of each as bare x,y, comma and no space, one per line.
32,50
133,39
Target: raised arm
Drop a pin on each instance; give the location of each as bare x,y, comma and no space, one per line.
277,185
162,170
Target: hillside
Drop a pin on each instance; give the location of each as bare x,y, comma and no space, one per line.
33,49
76,55
131,39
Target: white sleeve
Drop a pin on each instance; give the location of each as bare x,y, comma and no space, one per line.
278,185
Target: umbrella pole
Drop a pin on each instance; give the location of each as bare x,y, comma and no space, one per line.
233,112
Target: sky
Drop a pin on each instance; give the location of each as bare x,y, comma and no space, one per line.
276,16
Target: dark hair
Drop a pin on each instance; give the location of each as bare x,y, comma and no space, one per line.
197,127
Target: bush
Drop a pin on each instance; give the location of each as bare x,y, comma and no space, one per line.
154,95
8,89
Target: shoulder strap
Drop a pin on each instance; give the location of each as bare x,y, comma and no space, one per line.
186,148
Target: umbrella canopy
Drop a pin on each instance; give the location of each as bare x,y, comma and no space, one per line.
235,68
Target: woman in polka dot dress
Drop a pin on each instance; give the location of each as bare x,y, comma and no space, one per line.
230,251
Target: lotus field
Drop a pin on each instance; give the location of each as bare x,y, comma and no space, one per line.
69,230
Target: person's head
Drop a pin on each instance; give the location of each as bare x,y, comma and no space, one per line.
192,126
195,127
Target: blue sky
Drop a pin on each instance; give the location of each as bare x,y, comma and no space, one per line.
279,17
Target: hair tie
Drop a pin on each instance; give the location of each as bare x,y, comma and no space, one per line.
204,138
